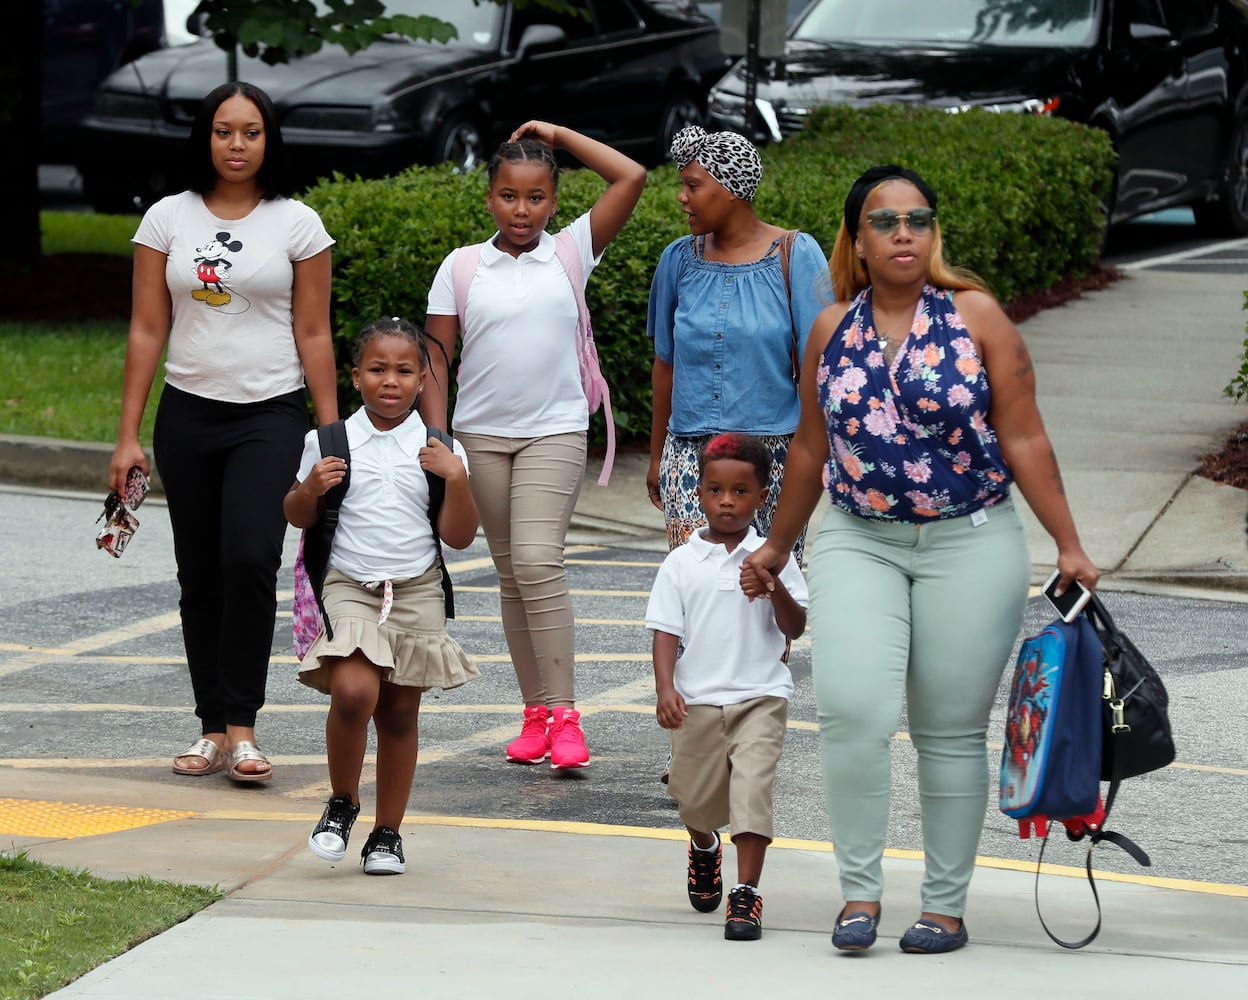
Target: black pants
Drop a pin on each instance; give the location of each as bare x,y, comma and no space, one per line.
225,468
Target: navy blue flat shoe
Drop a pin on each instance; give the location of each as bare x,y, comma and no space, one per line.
927,937
855,931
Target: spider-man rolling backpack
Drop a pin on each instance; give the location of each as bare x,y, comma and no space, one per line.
1051,763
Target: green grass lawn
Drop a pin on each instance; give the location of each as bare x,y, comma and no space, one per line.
86,232
65,381
56,924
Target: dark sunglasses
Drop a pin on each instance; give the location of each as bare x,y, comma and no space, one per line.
917,220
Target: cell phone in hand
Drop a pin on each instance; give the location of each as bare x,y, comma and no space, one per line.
137,487
1072,600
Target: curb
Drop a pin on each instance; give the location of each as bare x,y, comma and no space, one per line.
60,464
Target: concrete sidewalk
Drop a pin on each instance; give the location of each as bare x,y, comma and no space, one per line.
1130,386
500,909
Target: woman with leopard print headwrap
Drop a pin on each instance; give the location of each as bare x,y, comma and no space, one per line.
727,331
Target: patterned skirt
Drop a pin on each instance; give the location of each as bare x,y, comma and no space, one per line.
678,484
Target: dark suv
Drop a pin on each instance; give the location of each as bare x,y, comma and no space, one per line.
1167,79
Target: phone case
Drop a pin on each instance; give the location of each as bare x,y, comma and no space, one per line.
1072,600
137,487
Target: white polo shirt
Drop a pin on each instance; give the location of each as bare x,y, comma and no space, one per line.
518,372
731,647
383,524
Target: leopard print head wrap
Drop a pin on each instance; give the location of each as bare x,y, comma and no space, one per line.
728,157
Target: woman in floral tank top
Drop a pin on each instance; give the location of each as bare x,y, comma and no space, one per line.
918,411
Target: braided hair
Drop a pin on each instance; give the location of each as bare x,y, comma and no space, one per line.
396,326
520,151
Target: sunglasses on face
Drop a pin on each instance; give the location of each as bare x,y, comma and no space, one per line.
917,220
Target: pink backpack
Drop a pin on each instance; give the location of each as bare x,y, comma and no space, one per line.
593,384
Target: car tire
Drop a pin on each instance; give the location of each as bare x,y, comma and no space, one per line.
460,142
683,108
1228,215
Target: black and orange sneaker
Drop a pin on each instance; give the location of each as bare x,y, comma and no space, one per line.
706,888
745,914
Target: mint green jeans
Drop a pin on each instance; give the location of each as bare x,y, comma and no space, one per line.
929,614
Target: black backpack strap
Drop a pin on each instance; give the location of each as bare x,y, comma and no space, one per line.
437,493
1100,836
318,541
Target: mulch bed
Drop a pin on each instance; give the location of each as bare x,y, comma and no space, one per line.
1229,465
65,287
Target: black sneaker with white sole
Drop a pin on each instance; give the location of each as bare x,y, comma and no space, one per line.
383,853
329,839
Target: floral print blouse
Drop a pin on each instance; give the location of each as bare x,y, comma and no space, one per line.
909,441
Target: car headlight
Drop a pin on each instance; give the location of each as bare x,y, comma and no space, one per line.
726,106
111,104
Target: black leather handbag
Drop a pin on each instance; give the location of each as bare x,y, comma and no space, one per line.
1135,704
1135,739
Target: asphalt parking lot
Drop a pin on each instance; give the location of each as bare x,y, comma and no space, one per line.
94,683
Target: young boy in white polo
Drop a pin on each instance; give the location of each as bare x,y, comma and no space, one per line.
722,681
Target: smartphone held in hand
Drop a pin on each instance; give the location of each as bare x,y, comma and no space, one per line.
138,486
1072,599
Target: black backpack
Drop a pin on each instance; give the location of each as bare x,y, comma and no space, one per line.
319,539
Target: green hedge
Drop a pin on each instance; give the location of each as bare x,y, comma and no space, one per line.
1020,203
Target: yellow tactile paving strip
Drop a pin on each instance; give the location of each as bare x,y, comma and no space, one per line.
33,818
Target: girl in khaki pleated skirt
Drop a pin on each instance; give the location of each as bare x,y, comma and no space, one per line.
382,593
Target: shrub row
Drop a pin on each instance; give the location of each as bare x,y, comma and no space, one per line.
1020,203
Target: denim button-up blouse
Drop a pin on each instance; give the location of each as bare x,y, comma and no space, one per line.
726,331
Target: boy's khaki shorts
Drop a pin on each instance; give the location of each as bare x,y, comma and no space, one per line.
724,765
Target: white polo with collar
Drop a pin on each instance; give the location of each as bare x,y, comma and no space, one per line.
383,524
731,647
518,372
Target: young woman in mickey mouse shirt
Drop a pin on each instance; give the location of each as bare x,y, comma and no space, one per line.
232,415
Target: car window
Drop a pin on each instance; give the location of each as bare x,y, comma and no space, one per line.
616,17
1188,17
577,24
477,26
991,22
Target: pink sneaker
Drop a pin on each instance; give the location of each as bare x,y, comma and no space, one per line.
532,746
567,740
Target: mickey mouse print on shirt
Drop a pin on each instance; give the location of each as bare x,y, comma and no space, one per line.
212,268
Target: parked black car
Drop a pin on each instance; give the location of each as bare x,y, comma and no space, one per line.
630,72
1167,79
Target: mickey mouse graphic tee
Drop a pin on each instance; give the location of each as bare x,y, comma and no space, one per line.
230,284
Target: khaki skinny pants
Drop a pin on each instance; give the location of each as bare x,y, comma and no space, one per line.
525,490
